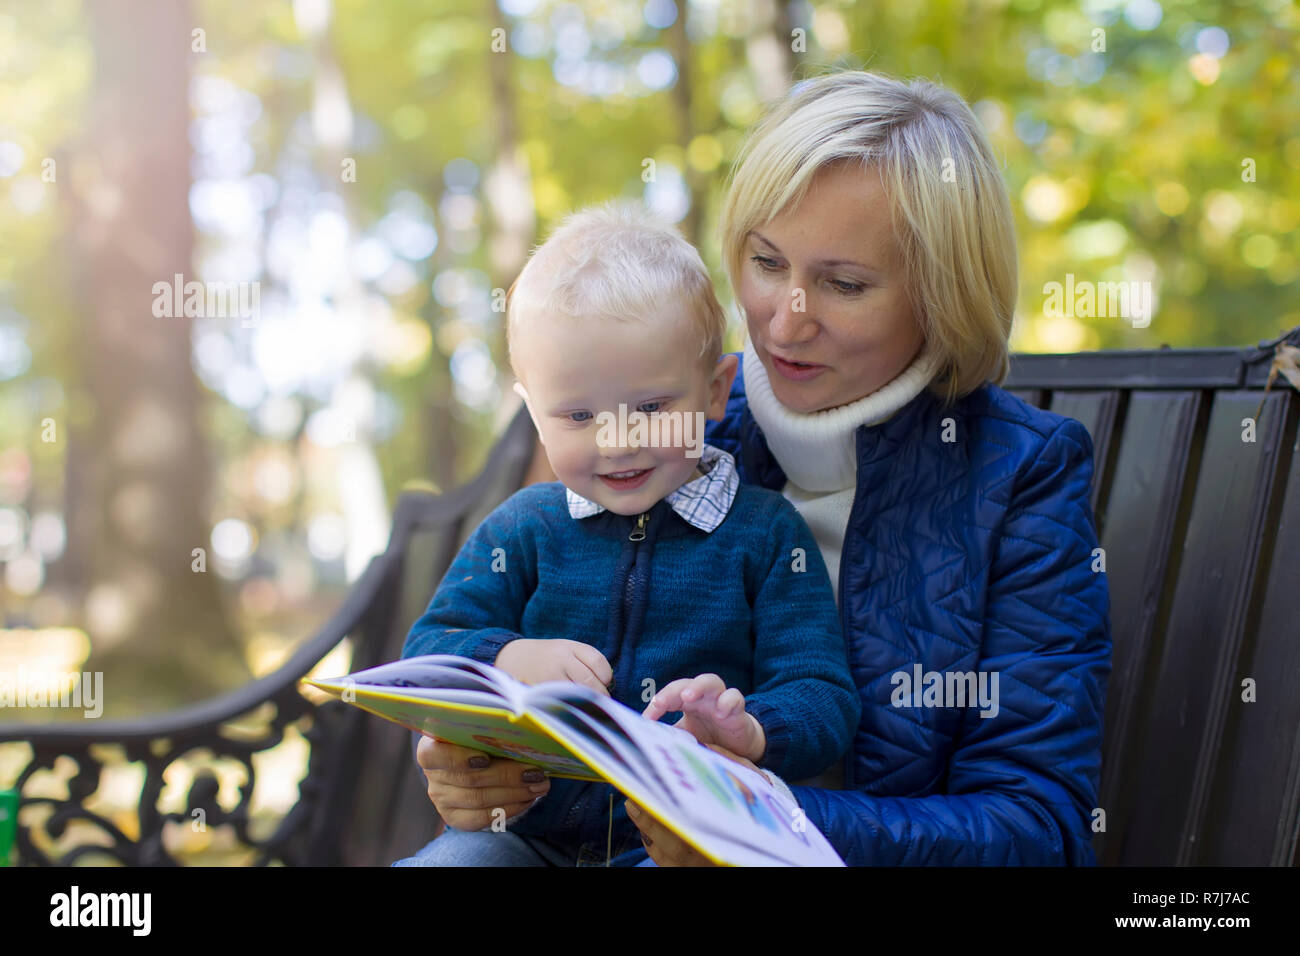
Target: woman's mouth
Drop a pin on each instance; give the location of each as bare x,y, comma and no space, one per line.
626,480
796,371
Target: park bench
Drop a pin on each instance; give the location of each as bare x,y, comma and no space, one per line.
1200,529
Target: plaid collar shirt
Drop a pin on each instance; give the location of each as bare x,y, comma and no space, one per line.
703,501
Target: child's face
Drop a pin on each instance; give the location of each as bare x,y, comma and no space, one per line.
573,369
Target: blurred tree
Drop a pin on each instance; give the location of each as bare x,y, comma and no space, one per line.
138,464
1126,154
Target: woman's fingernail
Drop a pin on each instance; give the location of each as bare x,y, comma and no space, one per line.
534,776
538,787
479,762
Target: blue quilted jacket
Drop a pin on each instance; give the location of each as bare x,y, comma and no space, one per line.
971,555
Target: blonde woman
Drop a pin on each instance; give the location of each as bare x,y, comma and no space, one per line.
869,239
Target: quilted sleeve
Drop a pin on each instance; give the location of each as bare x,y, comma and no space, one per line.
1022,784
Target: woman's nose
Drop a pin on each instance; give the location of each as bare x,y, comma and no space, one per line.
791,322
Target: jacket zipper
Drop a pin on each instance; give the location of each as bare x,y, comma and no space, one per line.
638,533
847,761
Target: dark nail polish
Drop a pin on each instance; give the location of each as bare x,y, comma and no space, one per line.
534,776
479,762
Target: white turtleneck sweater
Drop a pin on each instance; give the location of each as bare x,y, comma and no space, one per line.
817,451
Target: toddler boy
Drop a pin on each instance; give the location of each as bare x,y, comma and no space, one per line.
647,571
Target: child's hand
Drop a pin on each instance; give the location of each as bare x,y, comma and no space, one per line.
712,713
535,661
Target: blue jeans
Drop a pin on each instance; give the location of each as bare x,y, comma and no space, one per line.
489,848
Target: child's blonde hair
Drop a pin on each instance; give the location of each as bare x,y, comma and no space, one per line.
948,201
617,260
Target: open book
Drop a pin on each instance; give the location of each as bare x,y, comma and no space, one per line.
726,811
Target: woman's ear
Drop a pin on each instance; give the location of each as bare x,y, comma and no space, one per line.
724,373
523,393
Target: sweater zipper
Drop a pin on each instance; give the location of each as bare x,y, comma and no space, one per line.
636,535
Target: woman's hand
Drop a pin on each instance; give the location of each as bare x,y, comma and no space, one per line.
467,786
665,847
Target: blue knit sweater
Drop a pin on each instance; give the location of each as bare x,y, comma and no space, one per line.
749,601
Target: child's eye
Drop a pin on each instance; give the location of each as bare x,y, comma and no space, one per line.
579,417
648,409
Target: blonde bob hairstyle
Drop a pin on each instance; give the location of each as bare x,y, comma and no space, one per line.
618,261
948,204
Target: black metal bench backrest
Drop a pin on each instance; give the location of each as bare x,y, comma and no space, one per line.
1201,537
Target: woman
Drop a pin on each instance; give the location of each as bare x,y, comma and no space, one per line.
869,238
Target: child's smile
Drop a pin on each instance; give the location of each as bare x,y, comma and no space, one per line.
626,480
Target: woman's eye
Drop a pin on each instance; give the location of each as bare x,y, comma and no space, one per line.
849,288
764,263
650,407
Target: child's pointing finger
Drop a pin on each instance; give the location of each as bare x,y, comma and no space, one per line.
668,699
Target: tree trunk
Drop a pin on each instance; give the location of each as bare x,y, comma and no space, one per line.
683,95
768,49
508,191
158,629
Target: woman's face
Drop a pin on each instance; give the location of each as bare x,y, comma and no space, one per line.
823,294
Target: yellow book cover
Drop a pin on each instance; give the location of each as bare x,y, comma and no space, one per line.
494,730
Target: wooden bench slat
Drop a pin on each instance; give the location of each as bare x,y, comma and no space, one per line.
1189,699
389,822
507,478
1148,487
1098,412
421,571
1256,806
1144,369
1033,396
399,816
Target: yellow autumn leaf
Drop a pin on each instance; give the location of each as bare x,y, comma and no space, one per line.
1287,363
